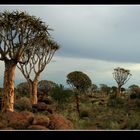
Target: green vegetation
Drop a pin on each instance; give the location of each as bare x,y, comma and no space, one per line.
61,96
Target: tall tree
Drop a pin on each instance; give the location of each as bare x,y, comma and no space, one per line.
41,56
80,82
18,32
121,76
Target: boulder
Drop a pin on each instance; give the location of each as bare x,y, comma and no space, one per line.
41,120
37,127
47,100
59,122
18,120
40,106
8,128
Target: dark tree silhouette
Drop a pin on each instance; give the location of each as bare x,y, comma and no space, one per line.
80,82
121,76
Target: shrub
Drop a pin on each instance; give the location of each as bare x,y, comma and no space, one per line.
117,102
61,95
23,89
110,124
134,103
84,113
134,95
44,87
23,104
112,96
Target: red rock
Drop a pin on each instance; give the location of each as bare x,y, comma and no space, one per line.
41,120
59,122
37,127
18,120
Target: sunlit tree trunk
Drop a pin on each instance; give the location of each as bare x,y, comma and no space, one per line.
33,90
9,77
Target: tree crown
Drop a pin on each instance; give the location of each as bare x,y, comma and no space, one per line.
79,80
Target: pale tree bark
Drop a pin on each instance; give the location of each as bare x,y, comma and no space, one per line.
41,56
9,77
33,89
19,33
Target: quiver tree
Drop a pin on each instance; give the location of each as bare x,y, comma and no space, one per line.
18,31
41,55
121,76
80,83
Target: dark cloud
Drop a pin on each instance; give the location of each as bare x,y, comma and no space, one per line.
101,32
88,34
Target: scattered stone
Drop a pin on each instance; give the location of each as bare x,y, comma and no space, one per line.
37,127
41,120
59,122
18,120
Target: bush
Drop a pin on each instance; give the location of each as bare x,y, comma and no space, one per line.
117,102
61,95
134,96
84,113
44,87
112,96
110,124
135,103
22,89
23,104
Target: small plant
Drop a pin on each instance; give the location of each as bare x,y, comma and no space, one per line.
118,102
134,95
84,113
112,96
135,103
23,104
110,124
23,89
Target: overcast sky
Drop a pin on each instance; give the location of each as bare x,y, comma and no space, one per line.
94,39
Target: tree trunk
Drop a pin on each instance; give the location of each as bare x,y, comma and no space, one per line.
119,91
9,77
30,83
33,90
77,104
